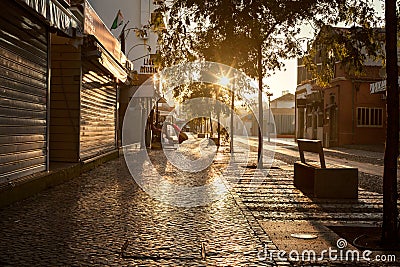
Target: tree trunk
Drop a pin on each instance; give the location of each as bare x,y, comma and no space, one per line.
260,108
390,212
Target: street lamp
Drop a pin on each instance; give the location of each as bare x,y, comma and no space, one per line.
223,81
269,114
148,49
141,32
162,100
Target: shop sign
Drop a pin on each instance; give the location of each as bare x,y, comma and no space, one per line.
379,87
93,25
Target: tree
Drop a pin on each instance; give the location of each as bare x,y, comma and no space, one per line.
202,92
253,36
351,47
390,226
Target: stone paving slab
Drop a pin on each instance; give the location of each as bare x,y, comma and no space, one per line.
280,232
282,209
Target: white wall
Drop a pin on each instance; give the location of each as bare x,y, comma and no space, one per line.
282,104
138,12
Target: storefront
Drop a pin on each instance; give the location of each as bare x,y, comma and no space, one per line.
24,81
85,85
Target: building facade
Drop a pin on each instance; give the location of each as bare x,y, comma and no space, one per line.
87,74
25,73
141,34
61,69
345,112
283,111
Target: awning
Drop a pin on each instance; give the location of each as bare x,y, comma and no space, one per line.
93,25
57,15
112,66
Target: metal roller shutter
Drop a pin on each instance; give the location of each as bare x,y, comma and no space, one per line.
98,112
23,92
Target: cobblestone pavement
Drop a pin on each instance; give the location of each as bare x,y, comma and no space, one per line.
89,220
270,196
351,152
370,164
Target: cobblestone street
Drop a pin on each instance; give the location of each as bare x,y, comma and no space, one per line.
104,218
88,220
199,133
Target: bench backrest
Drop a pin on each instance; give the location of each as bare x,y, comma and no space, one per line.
311,146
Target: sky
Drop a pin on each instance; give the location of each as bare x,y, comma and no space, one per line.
287,80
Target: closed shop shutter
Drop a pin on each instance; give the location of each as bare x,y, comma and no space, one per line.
98,112
23,92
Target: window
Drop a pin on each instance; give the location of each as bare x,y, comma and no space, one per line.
369,117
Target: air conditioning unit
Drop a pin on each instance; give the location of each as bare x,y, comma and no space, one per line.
142,34
144,37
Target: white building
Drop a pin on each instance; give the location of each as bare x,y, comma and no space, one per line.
284,114
141,39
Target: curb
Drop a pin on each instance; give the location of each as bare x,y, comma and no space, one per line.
32,184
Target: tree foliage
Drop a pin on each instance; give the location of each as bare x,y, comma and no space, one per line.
229,31
352,47
203,93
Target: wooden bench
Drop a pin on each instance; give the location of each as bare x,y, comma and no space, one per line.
321,181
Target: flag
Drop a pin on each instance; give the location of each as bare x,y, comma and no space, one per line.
118,20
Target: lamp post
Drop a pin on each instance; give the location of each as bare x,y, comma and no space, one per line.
224,81
269,115
232,108
162,100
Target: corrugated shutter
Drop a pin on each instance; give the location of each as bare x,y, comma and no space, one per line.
98,112
23,92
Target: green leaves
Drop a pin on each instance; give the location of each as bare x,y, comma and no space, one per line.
348,48
229,32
